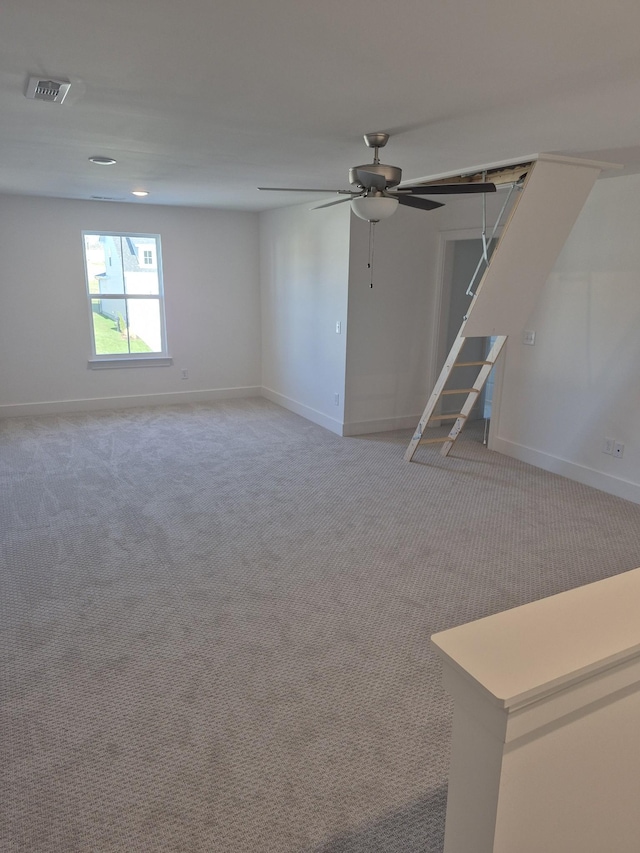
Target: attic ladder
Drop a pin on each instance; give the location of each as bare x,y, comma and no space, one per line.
440,390
517,273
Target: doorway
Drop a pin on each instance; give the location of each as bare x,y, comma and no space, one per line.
461,256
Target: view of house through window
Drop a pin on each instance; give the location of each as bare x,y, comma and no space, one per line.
124,285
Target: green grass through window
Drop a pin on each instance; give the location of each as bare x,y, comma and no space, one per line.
110,341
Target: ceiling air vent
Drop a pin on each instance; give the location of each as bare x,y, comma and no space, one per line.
47,90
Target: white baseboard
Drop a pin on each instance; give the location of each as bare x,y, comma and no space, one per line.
597,479
307,412
380,425
95,404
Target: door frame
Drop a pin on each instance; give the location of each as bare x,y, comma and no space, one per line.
439,351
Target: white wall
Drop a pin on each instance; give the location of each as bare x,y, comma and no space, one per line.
304,277
559,399
211,280
391,327
315,274
580,382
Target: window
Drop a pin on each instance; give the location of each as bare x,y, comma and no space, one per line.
124,288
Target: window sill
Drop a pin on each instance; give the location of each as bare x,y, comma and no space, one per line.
108,363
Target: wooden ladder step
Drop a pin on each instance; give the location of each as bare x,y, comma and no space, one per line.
462,391
472,363
450,417
434,440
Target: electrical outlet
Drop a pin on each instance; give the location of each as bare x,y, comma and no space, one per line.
607,446
336,399
338,327
618,449
185,374
529,337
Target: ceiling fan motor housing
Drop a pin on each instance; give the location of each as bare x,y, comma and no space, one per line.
391,174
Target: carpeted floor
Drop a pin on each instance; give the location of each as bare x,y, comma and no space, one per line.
216,619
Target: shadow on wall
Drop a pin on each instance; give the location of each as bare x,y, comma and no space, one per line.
418,828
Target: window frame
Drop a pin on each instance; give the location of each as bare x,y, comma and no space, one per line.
128,359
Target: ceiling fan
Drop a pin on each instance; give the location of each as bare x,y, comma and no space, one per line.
376,193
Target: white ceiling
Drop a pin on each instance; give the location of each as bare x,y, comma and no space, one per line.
202,101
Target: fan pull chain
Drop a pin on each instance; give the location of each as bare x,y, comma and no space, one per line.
371,248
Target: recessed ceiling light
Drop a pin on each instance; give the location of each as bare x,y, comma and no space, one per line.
139,193
102,161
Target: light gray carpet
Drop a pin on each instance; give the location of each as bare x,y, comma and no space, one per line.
216,621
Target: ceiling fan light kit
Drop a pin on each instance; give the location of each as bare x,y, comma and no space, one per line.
377,194
374,207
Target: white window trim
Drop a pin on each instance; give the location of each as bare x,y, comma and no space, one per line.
114,360
107,362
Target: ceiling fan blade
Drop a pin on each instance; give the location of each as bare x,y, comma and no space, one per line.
301,190
372,180
420,203
448,189
331,203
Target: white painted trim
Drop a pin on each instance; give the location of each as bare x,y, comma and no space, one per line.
95,404
472,170
496,402
577,161
158,297
439,350
307,412
380,425
596,479
513,161
129,361
439,319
